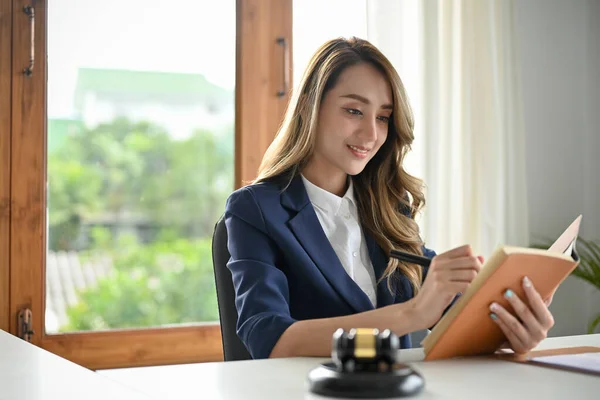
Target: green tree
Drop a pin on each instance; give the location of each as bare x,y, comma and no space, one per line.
190,194
122,170
74,193
125,174
162,283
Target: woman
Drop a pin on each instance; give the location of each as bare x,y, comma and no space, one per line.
309,239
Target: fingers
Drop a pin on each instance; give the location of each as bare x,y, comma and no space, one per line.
513,329
454,274
538,306
535,330
513,339
548,301
459,275
453,271
530,323
462,251
469,262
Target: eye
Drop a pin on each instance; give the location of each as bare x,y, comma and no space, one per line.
353,111
384,119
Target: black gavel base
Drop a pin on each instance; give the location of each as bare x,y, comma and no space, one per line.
401,381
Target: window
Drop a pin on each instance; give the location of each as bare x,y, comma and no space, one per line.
135,190
116,165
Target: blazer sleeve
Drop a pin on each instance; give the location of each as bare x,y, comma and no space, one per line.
262,295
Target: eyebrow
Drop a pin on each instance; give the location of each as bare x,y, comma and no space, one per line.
365,100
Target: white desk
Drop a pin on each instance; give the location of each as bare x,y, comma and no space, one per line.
30,373
286,378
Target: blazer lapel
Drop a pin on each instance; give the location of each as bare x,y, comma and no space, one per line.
379,261
306,227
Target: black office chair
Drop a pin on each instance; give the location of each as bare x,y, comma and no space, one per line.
233,348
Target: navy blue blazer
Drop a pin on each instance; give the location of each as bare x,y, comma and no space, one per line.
284,268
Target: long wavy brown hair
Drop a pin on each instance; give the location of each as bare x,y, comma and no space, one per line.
388,197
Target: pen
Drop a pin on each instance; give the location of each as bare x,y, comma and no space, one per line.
410,258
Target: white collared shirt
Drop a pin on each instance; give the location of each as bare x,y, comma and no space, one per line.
339,219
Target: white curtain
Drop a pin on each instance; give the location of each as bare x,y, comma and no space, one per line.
457,59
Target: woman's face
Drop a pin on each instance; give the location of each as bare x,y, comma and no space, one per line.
353,121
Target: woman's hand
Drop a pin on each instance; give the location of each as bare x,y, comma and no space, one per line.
530,325
548,301
450,273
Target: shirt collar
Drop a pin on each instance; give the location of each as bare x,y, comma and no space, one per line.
325,200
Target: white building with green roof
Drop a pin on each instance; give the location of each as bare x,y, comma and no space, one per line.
180,102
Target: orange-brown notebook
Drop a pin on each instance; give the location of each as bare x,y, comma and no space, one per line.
467,329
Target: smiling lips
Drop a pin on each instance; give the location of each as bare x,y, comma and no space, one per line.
358,151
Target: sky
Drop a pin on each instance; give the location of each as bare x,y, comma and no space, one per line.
191,36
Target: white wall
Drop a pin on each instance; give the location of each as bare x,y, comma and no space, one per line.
560,73
592,199
592,204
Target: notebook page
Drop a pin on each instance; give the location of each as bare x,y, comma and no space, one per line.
583,361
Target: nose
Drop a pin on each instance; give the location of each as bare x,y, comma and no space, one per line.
369,129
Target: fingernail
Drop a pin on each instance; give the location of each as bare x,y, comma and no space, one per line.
493,316
526,282
494,306
508,294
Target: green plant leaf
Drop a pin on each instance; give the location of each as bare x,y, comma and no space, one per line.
589,266
594,324
594,259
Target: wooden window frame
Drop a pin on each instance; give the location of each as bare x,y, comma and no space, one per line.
259,75
256,98
5,200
